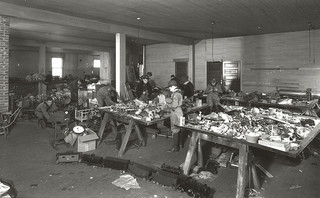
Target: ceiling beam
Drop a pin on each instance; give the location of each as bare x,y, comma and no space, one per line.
71,46
62,38
62,19
53,50
67,51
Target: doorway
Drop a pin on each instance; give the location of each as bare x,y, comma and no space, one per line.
227,73
214,70
181,69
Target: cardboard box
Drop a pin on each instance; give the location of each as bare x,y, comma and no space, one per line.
87,142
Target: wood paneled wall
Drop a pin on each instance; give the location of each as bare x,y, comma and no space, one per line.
285,60
23,63
160,61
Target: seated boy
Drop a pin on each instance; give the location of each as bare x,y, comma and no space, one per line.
46,111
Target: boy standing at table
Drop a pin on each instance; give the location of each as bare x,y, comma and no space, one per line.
174,103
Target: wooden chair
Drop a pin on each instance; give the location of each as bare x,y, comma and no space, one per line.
6,120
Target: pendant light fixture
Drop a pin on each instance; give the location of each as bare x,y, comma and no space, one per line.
310,44
212,24
138,42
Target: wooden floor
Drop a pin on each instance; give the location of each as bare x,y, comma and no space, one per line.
28,160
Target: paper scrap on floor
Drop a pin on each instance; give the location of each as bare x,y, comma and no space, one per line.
126,182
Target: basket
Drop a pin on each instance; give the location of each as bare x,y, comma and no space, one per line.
252,137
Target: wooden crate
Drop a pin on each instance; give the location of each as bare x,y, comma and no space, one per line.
84,114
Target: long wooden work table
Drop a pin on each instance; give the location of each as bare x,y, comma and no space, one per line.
243,146
131,123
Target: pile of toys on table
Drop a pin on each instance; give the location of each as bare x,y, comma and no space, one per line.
275,128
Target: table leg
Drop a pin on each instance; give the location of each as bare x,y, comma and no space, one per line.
138,131
242,170
125,139
200,156
113,125
102,127
192,147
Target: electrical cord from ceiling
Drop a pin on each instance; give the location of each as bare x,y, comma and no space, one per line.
212,24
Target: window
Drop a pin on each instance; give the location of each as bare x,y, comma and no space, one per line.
96,63
57,67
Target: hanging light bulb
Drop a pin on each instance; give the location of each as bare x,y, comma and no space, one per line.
212,24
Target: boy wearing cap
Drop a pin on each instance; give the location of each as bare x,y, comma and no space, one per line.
105,95
44,109
108,96
176,112
213,90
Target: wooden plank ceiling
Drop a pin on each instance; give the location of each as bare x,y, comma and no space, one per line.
90,25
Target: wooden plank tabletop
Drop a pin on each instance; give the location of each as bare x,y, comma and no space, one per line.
301,106
227,139
125,118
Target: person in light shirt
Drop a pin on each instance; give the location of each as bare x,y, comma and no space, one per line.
174,103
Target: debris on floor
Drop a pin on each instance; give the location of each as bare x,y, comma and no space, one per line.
250,192
205,175
34,185
7,189
295,187
126,181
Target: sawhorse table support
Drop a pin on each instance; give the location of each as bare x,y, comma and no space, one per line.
245,161
130,125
